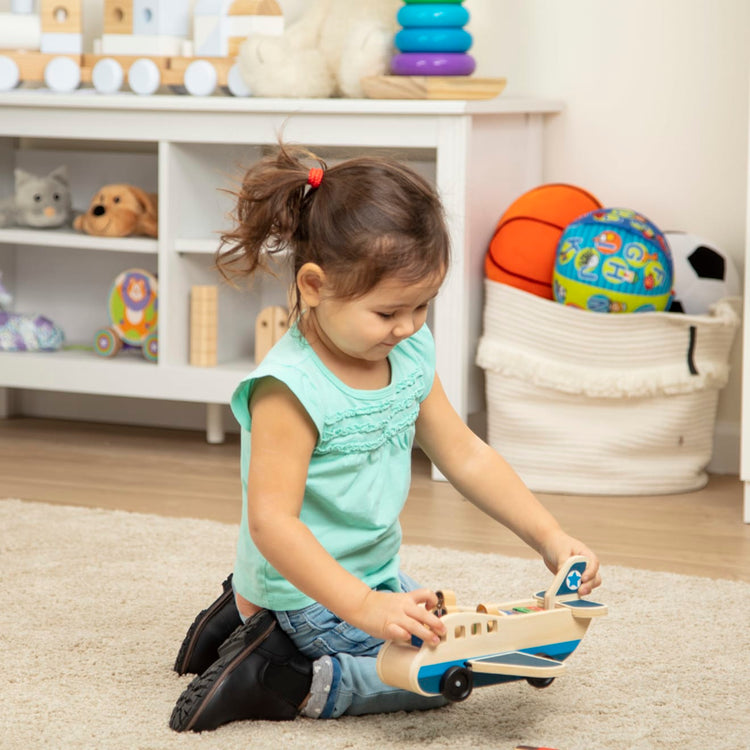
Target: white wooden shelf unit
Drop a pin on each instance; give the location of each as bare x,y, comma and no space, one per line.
481,155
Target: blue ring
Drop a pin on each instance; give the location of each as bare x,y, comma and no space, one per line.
433,40
435,14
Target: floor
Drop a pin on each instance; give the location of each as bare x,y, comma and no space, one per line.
176,473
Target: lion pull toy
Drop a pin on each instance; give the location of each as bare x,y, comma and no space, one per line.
495,643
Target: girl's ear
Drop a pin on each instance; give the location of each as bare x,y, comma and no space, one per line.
310,281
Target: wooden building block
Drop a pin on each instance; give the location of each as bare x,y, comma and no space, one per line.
204,325
270,325
61,16
118,16
432,87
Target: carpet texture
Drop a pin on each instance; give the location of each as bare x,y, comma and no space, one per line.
95,604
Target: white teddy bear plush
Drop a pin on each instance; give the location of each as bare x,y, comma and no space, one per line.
323,53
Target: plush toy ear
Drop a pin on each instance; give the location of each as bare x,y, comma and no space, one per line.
60,175
147,222
146,201
22,176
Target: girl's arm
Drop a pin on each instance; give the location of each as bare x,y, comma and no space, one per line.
282,441
481,475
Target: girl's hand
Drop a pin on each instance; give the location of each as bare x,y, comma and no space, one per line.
399,616
556,550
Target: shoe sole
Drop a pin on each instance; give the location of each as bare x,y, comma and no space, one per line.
191,703
185,653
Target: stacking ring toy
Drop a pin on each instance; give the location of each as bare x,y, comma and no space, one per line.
433,40
435,2
432,64
432,15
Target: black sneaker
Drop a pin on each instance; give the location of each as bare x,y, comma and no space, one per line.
259,675
209,630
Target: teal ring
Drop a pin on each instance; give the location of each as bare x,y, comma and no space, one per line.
433,40
434,14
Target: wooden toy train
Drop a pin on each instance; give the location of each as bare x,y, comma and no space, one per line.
495,643
150,43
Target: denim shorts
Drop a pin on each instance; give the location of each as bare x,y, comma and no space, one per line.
356,688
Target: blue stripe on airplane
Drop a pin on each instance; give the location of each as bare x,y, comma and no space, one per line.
430,675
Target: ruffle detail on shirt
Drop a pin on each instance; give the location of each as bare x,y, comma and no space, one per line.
368,427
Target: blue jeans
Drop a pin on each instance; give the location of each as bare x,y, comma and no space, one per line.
355,687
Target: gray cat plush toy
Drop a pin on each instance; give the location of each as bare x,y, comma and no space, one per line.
39,202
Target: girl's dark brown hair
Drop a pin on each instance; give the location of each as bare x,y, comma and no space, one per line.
369,219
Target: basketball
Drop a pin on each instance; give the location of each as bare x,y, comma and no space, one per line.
522,250
613,260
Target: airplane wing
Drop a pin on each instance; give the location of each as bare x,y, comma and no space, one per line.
583,608
517,664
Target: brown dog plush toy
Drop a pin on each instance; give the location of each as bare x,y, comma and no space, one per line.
119,211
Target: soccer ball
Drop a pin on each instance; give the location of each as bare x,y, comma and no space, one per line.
703,274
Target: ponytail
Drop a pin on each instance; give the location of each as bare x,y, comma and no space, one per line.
270,204
363,220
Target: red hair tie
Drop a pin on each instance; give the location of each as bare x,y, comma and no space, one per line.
315,177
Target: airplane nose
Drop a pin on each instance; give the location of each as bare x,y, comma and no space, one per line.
98,210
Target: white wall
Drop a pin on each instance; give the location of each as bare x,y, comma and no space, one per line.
656,114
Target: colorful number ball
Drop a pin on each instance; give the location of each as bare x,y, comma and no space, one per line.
613,260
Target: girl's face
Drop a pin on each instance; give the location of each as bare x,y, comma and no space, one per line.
368,327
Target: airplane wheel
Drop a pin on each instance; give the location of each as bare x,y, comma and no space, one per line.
540,682
457,684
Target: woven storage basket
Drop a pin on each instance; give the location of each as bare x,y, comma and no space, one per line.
589,403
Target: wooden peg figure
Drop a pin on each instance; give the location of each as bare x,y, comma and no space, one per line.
270,325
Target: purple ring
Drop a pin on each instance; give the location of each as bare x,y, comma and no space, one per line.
432,64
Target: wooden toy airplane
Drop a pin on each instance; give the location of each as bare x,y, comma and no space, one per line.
495,643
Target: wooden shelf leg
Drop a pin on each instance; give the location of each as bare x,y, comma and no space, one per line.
214,424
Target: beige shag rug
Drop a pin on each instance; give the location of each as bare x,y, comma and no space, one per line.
95,604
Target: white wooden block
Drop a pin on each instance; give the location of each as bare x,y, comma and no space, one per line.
63,75
19,31
22,6
161,17
107,76
140,44
209,36
61,44
209,7
144,77
200,78
10,76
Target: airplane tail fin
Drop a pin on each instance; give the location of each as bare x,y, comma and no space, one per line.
564,590
565,584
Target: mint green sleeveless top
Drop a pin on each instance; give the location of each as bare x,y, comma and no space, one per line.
360,470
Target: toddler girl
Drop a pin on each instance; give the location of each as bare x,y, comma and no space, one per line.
328,420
